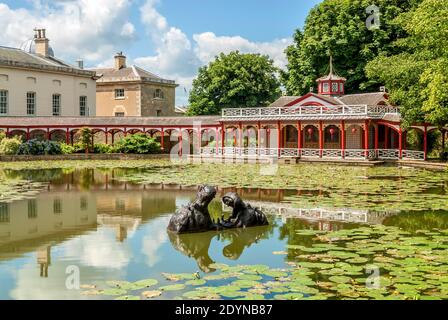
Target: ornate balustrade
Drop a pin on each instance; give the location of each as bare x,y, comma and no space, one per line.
309,112
349,154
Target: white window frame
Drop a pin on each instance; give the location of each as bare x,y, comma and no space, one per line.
159,94
83,110
120,96
31,103
326,87
4,102
334,87
56,105
120,114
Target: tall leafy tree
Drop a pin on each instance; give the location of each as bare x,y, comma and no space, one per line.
418,76
234,80
338,27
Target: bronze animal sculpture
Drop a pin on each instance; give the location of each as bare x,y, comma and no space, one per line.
243,215
195,216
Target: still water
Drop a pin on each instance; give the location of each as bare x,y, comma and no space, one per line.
110,230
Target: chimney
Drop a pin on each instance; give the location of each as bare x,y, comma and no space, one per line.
80,63
120,61
42,43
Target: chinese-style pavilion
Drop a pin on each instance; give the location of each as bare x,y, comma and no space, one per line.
328,124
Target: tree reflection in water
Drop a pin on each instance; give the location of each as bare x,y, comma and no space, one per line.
196,245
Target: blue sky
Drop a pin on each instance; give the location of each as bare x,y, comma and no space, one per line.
172,38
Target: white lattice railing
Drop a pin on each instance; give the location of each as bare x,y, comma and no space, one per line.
381,154
413,155
310,153
309,111
388,154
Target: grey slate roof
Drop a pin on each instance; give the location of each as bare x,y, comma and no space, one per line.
371,99
132,73
13,57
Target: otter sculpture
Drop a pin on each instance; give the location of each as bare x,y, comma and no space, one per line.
195,217
243,215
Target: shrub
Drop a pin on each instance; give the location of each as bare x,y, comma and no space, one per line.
67,148
103,148
10,146
39,147
138,144
2,136
86,139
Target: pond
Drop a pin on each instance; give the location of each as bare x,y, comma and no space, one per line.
334,233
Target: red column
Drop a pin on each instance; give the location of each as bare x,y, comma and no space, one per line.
343,138
223,136
279,138
299,137
259,135
48,133
400,142
67,136
125,132
240,136
377,128
180,142
113,137
321,138
217,140
200,141
366,138
27,134
106,133
162,139
386,137
425,142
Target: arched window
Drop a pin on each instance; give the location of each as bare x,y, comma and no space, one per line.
311,134
158,94
331,134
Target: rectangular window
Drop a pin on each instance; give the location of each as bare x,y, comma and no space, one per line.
57,206
158,113
56,105
334,87
32,209
31,103
119,93
326,87
83,106
119,114
3,102
4,213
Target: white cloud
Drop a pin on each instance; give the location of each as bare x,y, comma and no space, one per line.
153,241
93,30
179,58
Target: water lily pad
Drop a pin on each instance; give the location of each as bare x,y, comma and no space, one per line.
151,294
173,287
128,298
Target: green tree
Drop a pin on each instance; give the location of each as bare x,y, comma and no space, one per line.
417,77
86,137
338,27
234,80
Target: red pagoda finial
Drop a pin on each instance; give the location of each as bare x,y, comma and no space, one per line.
331,84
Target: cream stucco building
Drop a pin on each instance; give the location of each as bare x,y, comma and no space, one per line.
35,83
130,91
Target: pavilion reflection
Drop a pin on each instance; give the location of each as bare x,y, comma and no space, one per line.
197,245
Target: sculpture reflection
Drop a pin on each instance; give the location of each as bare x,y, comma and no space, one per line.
197,245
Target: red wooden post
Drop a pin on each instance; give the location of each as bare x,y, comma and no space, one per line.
321,139
162,139
67,136
366,138
299,137
386,137
217,140
343,138
279,138
240,137
180,142
112,134
223,136
200,140
259,135
48,133
425,142
106,133
400,142
27,134
377,128
125,132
